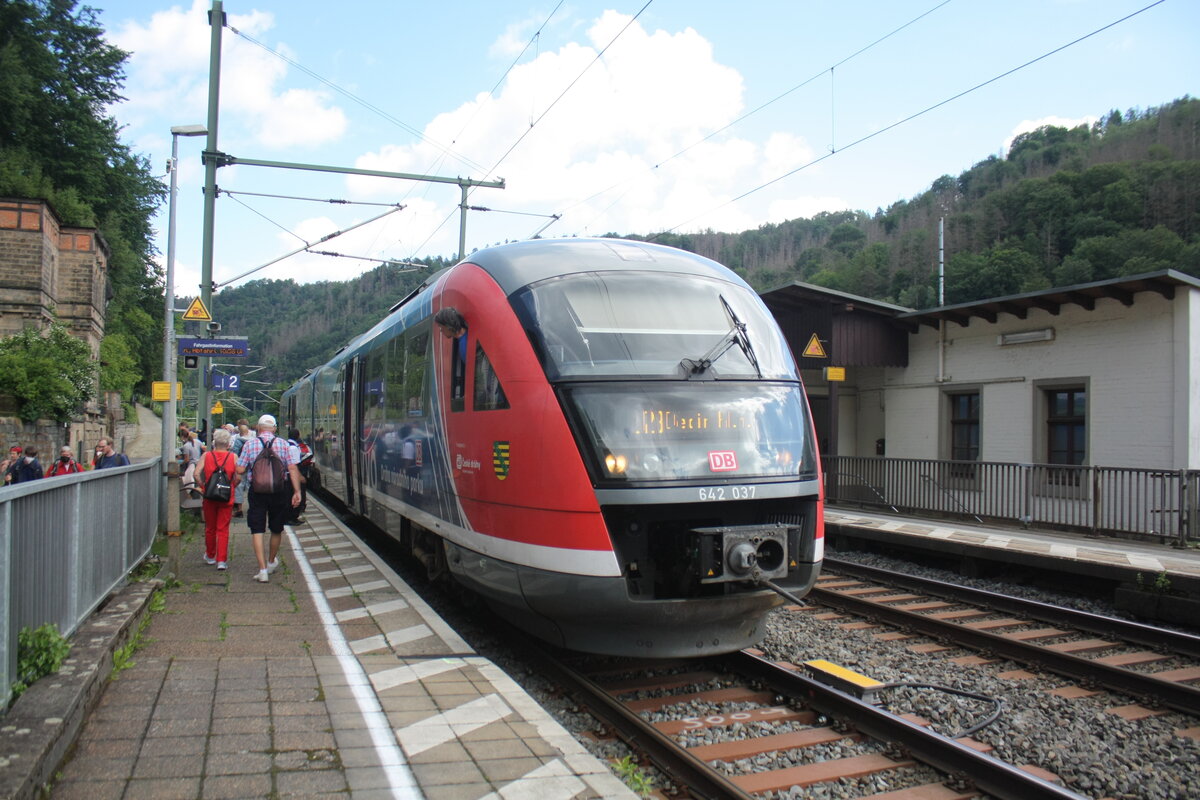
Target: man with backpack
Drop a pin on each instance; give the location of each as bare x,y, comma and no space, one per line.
266,464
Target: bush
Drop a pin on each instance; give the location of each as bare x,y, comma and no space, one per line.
49,375
40,652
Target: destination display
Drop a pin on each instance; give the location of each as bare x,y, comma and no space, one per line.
219,348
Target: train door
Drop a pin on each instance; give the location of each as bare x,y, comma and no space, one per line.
362,433
347,432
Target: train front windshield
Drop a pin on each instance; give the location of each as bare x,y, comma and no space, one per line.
670,378
651,325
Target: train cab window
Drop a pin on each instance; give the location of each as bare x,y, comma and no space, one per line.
489,394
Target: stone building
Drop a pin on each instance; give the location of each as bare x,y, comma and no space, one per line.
50,271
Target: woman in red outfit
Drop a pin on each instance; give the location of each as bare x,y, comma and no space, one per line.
217,513
66,463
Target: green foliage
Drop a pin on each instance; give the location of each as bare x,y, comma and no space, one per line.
58,143
628,771
118,368
1160,585
1065,206
49,374
40,652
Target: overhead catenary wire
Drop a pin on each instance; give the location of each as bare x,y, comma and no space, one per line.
542,116
910,118
360,101
756,110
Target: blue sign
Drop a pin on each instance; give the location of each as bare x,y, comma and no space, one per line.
216,348
226,383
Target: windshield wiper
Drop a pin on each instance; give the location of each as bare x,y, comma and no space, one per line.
737,334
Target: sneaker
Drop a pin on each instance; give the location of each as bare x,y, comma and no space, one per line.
262,576
298,521
209,561
272,566
221,565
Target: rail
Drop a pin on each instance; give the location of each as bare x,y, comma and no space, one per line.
1149,503
65,544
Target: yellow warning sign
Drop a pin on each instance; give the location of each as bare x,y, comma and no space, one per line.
161,391
218,408
197,312
835,373
814,349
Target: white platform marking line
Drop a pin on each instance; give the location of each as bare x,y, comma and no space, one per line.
1063,550
1144,562
399,676
346,591
549,780
368,645
406,635
373,609
391,759
337,573
441,728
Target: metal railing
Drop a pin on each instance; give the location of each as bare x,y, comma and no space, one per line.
1161,504
65,544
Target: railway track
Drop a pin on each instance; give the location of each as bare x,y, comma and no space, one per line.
792,733
1155,666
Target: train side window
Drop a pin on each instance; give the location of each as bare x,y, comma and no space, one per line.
489,394
458,372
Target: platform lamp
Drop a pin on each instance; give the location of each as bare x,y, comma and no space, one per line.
168,418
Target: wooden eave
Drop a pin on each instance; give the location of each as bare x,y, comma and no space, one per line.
1123,290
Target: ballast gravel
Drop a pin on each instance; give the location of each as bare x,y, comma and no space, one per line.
1095,753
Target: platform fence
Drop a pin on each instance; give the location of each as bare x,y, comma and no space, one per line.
66,544
1141,503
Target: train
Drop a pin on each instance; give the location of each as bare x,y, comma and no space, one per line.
607,441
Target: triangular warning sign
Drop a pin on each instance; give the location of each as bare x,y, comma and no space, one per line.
812,350
197,312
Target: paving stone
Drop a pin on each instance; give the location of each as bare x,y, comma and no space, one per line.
237,787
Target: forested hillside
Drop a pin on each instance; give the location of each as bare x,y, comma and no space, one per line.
1063,207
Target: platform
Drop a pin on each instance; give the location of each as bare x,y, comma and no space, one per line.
1124,563
333,679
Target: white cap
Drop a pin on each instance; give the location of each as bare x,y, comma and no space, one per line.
266,419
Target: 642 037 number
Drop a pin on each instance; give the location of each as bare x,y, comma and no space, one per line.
708,493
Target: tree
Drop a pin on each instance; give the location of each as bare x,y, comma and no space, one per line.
58,143
49,375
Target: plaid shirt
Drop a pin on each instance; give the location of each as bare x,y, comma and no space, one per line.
254,446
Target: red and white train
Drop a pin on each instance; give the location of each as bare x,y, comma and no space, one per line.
616,455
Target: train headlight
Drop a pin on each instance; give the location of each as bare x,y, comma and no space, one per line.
615,464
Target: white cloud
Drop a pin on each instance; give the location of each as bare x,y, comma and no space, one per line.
619,126
168,68
1029,125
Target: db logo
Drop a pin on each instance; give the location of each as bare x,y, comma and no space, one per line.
722,460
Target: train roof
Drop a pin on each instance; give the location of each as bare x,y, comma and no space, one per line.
518,264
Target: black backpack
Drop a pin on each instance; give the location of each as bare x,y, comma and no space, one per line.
218,487
268,474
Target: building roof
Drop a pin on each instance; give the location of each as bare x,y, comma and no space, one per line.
1123,290
797,292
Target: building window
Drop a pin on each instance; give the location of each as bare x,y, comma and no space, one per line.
1066,426
964,426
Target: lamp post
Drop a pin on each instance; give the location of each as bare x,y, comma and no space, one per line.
168,419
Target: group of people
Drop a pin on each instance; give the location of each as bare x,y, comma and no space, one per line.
237,453
22,464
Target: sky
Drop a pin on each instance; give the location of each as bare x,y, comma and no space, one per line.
633,118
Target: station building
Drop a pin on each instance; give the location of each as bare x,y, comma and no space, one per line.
1099,375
